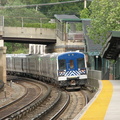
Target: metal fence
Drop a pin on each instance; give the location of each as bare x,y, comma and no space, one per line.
116,69
1,23
106,74
24,21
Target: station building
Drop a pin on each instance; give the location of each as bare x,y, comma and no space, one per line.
69,34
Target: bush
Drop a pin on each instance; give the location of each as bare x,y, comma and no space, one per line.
38,25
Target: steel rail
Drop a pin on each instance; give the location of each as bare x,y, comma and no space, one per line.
49,108
22,111
62,109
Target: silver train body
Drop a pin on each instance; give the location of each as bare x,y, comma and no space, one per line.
64,69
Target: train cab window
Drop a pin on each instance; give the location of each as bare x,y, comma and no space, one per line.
71,64
81,63
62,64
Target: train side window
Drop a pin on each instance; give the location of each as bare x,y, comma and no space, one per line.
71,64
81,63
62,64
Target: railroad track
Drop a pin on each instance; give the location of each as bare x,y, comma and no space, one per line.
77,102
46,103
39,110
67,107
26,103
58,108
46,106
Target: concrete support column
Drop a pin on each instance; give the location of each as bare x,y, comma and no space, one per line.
2,62
1,43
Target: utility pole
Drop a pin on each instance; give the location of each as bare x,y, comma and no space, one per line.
85,3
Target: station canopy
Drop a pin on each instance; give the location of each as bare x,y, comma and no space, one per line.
111,50
67,18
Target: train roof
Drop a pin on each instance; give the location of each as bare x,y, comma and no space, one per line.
63,54
45,55
67,53
16,55
75,52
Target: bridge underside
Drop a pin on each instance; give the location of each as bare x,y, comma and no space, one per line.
29,40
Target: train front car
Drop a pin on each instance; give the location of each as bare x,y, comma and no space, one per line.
72,69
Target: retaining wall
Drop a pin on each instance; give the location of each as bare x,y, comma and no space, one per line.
93,78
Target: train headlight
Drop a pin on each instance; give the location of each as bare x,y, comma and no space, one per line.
62,73
82,71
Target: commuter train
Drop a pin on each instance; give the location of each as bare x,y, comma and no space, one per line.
64,69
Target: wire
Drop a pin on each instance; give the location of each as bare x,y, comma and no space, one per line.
45,4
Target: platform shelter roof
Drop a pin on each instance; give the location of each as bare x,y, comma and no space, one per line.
67,18
111,49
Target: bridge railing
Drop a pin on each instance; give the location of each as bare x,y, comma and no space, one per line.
27,27
27,22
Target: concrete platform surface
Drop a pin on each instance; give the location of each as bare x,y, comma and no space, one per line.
113,111
106,103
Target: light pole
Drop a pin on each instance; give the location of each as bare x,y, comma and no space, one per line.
85,3
96,62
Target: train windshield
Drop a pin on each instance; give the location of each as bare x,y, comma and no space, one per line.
62,64
81,63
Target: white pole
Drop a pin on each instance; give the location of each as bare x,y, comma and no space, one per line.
85,3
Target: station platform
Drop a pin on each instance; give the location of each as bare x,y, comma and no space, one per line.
106,103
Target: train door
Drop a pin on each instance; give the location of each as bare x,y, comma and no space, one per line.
71,64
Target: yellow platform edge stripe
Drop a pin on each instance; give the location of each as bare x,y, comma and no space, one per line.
98,108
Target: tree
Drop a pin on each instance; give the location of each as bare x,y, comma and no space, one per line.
16,48
13,18
3,2
105,17
85,13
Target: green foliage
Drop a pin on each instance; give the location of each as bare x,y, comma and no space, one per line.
49,11
14,48
3,2
22,15
13,16
105,17
38,25
79,26
85,13
20,50
30,17
9,48
71,8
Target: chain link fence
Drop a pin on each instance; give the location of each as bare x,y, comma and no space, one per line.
28,22
1,23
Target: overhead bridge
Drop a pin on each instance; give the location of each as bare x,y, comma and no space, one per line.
29,35
65,37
